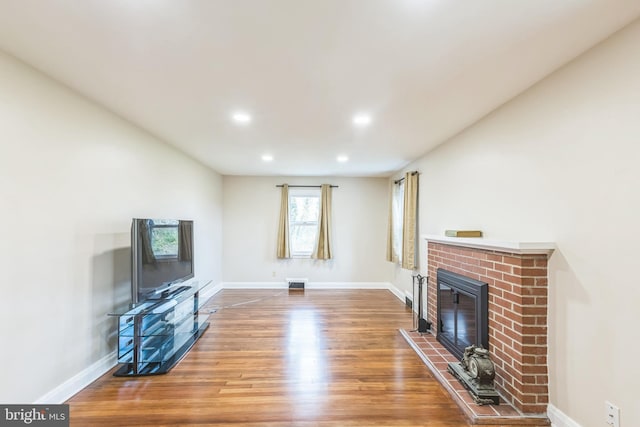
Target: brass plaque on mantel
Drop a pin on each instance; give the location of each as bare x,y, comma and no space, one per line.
463,233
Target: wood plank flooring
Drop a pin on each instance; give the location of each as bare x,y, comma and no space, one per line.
280,358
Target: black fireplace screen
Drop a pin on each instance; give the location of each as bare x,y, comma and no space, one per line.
462,312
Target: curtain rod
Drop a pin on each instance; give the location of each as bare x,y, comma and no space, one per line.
306,186
398,181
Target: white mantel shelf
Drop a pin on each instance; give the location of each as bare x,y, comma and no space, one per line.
494,245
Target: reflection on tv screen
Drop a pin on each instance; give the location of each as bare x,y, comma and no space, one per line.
163,254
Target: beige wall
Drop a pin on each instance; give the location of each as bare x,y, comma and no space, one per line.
71,178
560,163
251,209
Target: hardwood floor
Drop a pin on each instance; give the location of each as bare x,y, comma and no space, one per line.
279,358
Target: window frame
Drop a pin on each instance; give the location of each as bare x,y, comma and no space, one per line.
308,193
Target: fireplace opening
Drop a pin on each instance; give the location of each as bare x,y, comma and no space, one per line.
462,312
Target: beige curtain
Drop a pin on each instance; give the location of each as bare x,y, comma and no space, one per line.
283,250
390,225
185,247
323,243
409,220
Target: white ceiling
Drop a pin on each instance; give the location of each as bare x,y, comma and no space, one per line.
423,69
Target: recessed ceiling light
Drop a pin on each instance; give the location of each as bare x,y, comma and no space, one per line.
267,157
241,118
342,158
362,120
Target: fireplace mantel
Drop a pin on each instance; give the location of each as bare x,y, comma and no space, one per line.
494,245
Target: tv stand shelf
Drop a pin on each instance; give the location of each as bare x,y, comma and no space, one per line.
155,334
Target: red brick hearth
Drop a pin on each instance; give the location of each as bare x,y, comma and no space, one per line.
517,278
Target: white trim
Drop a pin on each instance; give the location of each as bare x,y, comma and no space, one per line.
398,293
349,285
559,418
78,382
254,285
494,245
359,285
318,285
82,379
208,293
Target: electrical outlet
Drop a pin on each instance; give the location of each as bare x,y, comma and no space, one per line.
273,274
612,414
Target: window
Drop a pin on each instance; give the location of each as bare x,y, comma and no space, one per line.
397,212
304,210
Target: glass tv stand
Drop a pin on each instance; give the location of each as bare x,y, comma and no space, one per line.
155,334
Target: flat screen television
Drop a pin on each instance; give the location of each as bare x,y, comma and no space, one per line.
161,256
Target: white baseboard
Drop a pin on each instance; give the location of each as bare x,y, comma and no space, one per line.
209,291
254,285
349,285
318,285
559,418
73,385
397,292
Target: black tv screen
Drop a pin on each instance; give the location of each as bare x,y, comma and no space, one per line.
162,255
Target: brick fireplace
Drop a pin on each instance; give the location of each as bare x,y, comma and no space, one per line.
517,277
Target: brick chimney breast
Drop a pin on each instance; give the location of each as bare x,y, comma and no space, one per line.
517,276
